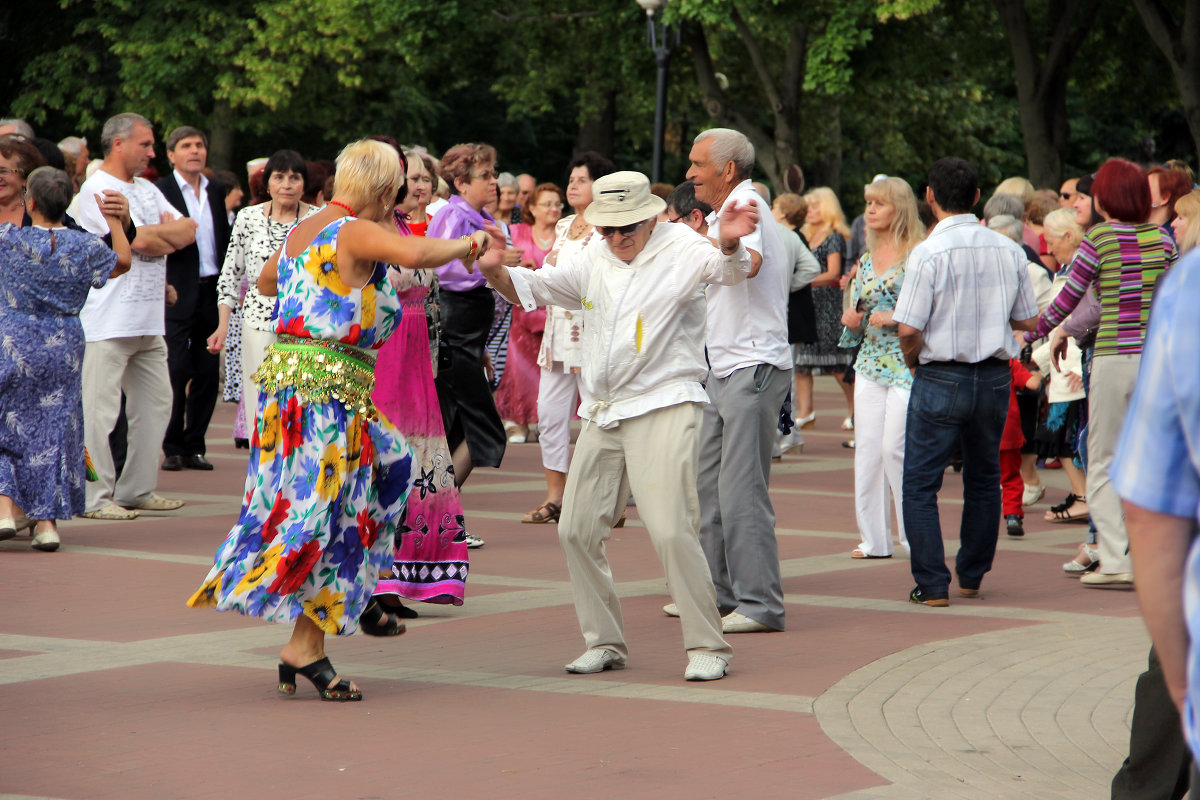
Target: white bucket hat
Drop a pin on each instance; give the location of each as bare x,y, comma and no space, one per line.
622,198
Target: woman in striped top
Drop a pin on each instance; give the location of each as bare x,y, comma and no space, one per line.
1122,258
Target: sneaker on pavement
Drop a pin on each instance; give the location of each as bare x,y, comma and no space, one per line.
705,667
156,502
473,542
733,622
1015,525
595,660
671,610
1032,494
934,599
111,511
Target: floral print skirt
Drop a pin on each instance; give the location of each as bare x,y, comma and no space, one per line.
324,490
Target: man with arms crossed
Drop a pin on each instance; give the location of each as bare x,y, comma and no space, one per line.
123,326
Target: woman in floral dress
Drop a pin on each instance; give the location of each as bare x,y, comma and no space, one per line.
328,477
883,381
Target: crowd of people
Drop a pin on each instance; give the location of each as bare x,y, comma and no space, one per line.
389,322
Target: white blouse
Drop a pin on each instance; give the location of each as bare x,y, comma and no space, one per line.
253,239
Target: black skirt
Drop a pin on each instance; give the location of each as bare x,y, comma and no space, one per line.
468,409
802,317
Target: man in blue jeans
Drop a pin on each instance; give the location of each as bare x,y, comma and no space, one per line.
966,289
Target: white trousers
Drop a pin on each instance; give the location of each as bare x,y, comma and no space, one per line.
657,455
136,365
879,421
558,398
254,350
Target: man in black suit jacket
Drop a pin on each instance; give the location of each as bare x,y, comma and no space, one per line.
193,271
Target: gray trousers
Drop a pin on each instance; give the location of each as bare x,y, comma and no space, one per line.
737,520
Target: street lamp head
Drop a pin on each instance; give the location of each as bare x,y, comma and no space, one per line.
650,6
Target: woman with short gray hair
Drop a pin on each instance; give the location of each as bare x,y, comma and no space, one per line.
46,271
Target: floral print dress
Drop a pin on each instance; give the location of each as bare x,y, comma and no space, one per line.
328,476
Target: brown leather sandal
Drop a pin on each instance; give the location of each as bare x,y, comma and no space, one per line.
546,512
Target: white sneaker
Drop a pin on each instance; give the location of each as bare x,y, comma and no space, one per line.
595,660
46,540
473,542
704,666
671,610
733,622
1032,494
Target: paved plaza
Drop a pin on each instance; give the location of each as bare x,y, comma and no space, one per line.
111,688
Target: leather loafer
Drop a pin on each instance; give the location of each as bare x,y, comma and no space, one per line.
1105,580
733,622
173,463
595,660
197,461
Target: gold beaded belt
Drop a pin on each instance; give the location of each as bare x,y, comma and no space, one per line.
320,370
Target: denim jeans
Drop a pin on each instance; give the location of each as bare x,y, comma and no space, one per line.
949,402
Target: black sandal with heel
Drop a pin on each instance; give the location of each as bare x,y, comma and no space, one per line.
375,621
321,675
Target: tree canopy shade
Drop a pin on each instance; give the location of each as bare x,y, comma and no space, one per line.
844,88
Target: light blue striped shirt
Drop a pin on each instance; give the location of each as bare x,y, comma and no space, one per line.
962,285
1157,464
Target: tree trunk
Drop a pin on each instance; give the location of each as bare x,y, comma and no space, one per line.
220,137
598,132
774,150
1041,81
1181,45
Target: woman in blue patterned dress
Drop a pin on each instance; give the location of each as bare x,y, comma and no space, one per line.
328,476
46,271
882,381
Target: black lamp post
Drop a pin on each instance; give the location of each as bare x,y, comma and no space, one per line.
661,40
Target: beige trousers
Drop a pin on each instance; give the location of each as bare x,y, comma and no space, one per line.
254,350
1113,379
136,365
657,456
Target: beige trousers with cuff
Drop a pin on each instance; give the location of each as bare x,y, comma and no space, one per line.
656,456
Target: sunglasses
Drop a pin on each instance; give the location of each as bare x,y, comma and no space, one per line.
624,230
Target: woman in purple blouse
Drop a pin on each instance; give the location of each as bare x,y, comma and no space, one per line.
474,432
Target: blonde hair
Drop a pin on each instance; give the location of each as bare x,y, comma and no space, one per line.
367,171
1188,207
830,209
906,229
1061,222
1021,187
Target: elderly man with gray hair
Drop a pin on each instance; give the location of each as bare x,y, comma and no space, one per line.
640,286
750,371
16,127
124,324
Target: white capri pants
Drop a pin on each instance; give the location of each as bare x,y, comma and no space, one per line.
558,398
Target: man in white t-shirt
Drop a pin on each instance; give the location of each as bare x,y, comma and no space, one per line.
750,370
123,323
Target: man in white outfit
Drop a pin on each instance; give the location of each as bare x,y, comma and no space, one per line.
642,296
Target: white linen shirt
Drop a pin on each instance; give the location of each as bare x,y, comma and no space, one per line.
962,285
199,210
747,322
643,334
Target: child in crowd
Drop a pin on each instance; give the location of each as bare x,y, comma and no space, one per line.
1011,483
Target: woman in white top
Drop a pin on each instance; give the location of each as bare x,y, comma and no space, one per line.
561,354
258,231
